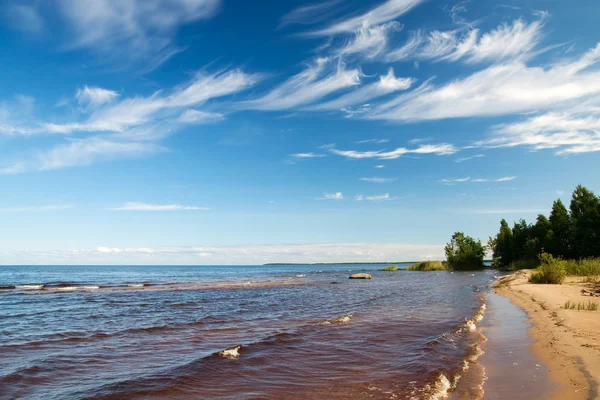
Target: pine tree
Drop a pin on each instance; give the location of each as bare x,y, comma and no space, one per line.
585,220
559,236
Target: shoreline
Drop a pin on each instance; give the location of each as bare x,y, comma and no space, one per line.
566,341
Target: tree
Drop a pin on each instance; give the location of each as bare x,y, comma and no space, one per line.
559,235
585,221
502,246
521,233
539,231
464,252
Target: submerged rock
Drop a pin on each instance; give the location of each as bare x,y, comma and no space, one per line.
360,276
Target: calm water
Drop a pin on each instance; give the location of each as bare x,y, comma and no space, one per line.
235,332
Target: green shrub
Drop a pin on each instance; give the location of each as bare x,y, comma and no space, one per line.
524,264
391,268
428,266
588,267
551,270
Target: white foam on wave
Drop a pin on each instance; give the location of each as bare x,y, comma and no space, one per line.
135,285
233,353
29,287
72,288
344,319
440,388
300,276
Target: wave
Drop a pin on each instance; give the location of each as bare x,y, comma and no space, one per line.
344,319
29,287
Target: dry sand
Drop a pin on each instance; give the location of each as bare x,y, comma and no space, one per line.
568,341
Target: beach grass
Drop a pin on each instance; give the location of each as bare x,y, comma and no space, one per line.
428,266
589,268
581,306
390,268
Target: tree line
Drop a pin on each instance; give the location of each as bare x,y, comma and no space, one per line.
572,233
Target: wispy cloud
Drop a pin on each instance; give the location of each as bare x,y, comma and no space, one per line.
388,11
377,197
506,179
47,208
81,152
332,196
199,117
463,159
321,78
131,33
92,97
565,132
376,141
13,169
376,179
380,166
506,41
234,255
24,17
499,89
438,149
455,180
385,85
134,206
369,42
309,14
307,155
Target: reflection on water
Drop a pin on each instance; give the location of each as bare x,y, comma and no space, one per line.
235,332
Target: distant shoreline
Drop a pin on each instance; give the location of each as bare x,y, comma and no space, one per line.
345,263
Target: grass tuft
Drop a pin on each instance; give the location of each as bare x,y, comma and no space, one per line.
391,268
428,266
581,306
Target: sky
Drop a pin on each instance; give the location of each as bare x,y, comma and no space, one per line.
236,132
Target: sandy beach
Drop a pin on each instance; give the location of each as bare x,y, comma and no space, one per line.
567,341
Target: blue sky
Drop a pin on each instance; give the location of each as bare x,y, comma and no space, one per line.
231,132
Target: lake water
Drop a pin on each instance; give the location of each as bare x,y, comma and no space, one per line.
236,332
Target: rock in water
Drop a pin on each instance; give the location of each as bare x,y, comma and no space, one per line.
360,276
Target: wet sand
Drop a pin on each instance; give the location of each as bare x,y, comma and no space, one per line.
567,341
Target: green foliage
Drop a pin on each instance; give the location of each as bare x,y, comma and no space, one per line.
465,253
589,306
585,219
588,267
558,239
551,270
391,268
524,264
428,266
572,234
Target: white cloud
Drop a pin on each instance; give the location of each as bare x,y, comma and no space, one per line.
332,196
47,208
134,111
560,193
319,79
379,166
307,155
385,85
378,197
506,41
455,180
369,42
463,159
233,255
438,149
506,179
92,97
132,32
378,179
388,11
199,117
480,180
135,206
498,90
80,152
565,132
376,141
309,14
24,17
13,169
